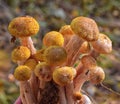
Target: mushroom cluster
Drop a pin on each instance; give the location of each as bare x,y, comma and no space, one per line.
67,60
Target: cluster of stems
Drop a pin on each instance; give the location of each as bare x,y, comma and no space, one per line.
82,47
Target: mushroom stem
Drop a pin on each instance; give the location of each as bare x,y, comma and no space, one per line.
69,93
72,48
62,98
26,93
27,41
80,79
42,84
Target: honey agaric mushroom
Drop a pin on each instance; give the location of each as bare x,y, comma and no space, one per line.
55,55
31,63
85,28
67,33
23,26
85,47
97,75
39,55
44,73
64,75
55,62
20,53
22,73
88,61
103,44
53,38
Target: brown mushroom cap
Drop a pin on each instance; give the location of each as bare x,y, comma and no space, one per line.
103,44
85,28
23,26
97,75
66,30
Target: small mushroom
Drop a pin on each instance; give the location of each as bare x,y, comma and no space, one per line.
96,75
55,55
22,73
85,27
67,33
53,38
31,63
64,75
20,53
44,73
103,44
88,62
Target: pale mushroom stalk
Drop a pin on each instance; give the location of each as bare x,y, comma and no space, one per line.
62,97
27,41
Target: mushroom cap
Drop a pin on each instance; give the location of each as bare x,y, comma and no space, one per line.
85,47
55,55
88,62
31,63
66,30
85,28
43,71
20,53
22,73
64,75
103,44
96,75
23,26
53,38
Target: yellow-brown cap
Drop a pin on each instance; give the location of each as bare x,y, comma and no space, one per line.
103,44
85,28
22,73
23,26
53,38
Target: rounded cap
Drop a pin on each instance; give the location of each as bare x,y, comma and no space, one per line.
43,71
103,44
85,28
55,55
20,53
23,26
31,63
88,62
64,75
97,75
66,30
22,73
53,38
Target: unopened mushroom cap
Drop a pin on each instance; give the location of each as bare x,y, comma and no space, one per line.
85,28
20,53
103,44
64,75
88,62
31,63
43,71
66,30
97,75
55,55
23,26
53,38
22,73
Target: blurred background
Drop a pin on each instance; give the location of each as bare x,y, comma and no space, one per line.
51,15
